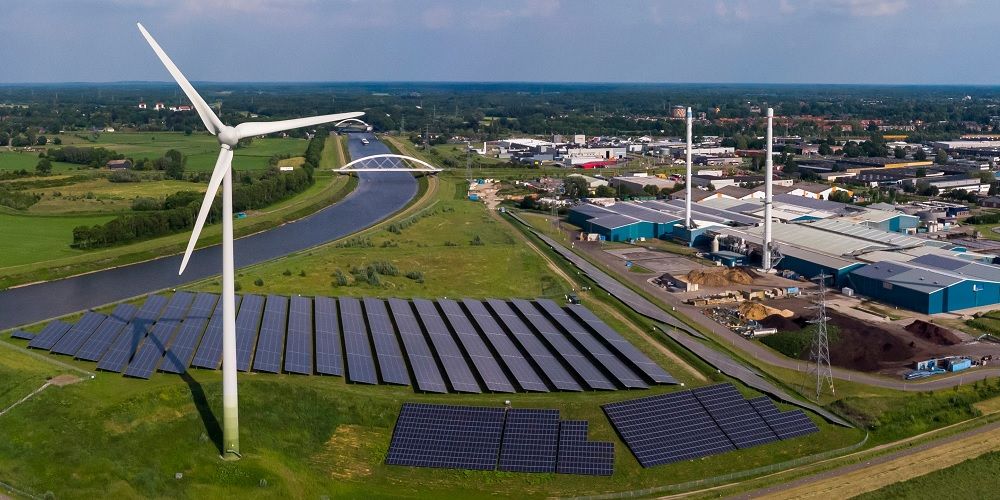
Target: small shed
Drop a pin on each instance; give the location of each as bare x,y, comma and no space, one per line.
119,165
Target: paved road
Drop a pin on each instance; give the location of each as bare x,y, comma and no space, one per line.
377,196
719,360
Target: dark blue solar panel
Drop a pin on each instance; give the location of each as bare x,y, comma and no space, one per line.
74,339
787,424
150,352
455,367
592,346
548,364
517,365
626,351
667,428
131,336
579,456
562,345
21,334
425,368
209,353
328,352
390,357
179,352
360,364
98,343
298,346
530,441
247,326
271,343
457,437
480,356
49,335
734,415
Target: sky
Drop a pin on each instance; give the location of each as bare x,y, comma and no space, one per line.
666,41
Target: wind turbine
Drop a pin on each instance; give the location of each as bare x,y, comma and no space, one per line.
222,174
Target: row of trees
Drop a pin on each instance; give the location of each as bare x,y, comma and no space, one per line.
92,157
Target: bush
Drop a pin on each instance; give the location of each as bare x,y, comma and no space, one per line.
385,268
258,282
477,241
124,176
286,272
17,200
340,278
144,204
302,273
356,242
416,276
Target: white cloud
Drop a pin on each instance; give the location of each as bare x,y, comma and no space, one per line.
869,8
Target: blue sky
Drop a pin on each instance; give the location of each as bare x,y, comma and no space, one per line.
783,41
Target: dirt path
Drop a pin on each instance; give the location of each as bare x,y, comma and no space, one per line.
876,474
58,381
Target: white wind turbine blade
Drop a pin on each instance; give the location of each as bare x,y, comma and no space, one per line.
212,122
250,129
222,165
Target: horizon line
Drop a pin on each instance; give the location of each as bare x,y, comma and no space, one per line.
495,82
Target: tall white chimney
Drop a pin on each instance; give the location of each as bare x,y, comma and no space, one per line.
768,180
687,177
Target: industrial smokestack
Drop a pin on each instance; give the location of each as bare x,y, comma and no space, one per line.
768,180
687,177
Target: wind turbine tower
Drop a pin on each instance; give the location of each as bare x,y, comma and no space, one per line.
222,175
768,181
687,176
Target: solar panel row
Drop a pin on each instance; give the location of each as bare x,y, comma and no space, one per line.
482,438
460,346
271,342
704,421
21,334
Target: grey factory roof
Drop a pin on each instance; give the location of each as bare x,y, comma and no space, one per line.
714,212
612,221
642,212
909,276
830,261
960,267
866,233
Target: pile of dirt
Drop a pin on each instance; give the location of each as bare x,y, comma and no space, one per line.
933,333
757,311
722,276
866,346
781,323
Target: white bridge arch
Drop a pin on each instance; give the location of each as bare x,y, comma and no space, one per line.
349,121
388,163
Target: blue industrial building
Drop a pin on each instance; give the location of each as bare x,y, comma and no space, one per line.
625,222
930,284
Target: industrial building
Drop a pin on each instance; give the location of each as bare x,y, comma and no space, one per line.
929,284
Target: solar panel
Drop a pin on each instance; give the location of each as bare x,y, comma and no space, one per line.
592,346
131,336
298,346
49,335
147,357
78,334
21,334
271,343
455,366
530,441
479,355
390,358
734,415
560,344
179,352
425,368
667,428
626,351
98,343
787,424
579,456
209,354
247,326
549,365
328,351
360,365
457,437
517,365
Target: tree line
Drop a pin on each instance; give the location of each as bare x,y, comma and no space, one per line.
151,218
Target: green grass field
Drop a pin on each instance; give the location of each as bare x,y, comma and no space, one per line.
16,160
101,195
26,240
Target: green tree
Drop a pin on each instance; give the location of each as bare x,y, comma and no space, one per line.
825,149
920,155
44,167
41,140
575,186
840,196
941,157
57,141
920,172
899,152
651,189
604,192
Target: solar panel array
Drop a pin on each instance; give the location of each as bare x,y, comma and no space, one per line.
21,334
440,346
705,421
482,438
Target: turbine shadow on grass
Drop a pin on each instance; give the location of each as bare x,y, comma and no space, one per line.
212,427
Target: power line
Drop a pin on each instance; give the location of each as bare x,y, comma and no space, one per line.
819,351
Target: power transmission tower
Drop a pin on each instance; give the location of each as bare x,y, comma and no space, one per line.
819,352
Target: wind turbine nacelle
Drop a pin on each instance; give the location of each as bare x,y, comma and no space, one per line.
229,136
